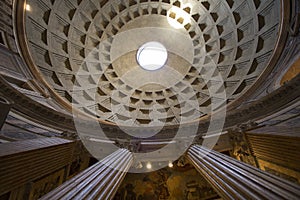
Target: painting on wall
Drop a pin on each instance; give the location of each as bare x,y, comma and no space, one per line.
176,183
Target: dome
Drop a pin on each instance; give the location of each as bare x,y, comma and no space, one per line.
86,53
149,99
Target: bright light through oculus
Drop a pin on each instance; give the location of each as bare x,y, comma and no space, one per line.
152,56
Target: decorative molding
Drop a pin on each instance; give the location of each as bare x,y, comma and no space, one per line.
241,148
268,105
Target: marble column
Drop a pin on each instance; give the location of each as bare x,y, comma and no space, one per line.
99,181
26,161
277,151
282,150
233,179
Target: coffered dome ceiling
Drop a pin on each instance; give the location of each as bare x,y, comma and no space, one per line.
86,51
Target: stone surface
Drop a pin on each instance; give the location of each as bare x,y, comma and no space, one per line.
76,46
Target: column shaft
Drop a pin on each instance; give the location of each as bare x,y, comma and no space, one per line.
233,179
25,161
279,149
99,181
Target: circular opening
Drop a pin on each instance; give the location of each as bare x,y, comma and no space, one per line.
152,56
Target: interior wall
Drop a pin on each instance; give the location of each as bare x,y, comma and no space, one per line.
175,183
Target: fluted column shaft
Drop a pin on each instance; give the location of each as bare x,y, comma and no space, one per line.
25,161
233,179
282,150
99,181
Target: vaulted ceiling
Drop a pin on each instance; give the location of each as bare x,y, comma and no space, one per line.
86,52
